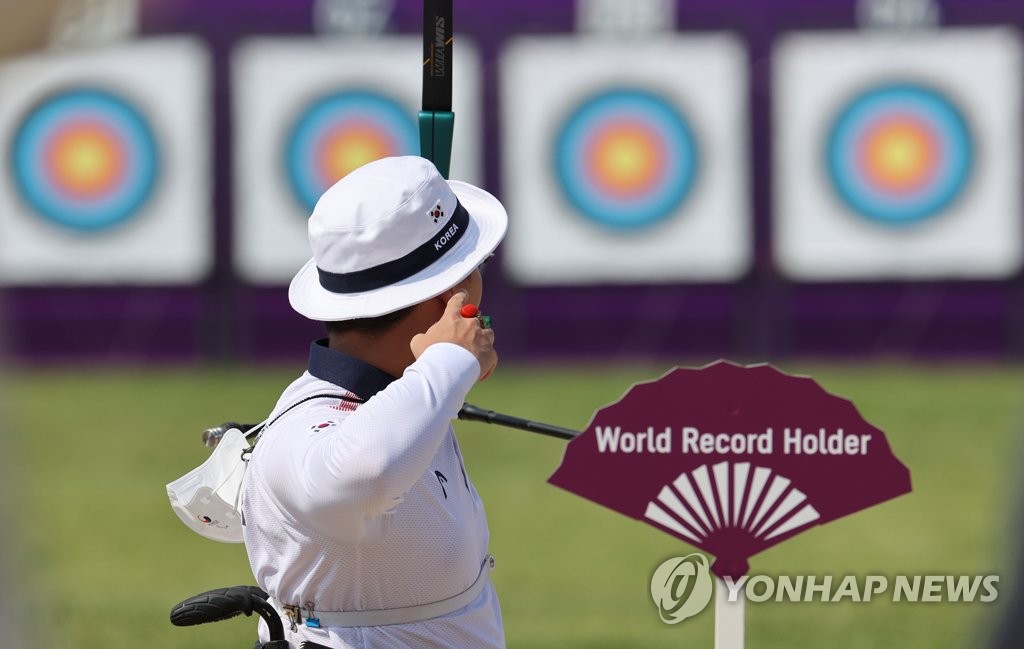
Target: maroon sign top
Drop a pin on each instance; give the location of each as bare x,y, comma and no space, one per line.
731,459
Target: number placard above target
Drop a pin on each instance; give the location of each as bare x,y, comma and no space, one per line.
898,157
626,162
108,167
307,112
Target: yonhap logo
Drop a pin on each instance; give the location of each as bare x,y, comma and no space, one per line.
682,587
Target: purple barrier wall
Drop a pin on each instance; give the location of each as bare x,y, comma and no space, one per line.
759,317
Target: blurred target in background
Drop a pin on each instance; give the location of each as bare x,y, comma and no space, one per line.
339,132
895,157
109,163
85,159
310,110
899,153
626,158
626,163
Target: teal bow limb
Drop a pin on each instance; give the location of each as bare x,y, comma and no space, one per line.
437,128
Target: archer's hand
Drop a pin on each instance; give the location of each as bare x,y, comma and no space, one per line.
464,332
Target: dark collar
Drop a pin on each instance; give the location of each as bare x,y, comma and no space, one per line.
359,378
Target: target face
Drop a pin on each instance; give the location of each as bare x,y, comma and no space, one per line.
85,159
338,133
303,122
626,159
905,166
607,165
899,153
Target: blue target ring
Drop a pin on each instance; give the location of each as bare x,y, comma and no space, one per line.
337,133
85,159
626,159
899,154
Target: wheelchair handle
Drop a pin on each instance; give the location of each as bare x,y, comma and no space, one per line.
224,603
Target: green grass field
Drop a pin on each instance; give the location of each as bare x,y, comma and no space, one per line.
102,558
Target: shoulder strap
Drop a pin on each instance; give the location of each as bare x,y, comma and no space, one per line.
258,429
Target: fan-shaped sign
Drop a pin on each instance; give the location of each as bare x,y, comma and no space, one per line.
732,459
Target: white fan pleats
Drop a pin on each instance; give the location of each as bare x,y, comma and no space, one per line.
731,495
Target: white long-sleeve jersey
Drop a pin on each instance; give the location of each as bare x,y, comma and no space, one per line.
366,506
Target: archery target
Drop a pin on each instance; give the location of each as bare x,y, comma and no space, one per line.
899,153
85,159
340,132
308,113
897,158
108,163
626,164
626,158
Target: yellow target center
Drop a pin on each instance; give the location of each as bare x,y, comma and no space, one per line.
900,155
626,160
86,161
350,148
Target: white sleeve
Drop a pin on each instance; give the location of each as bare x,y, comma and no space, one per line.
364,467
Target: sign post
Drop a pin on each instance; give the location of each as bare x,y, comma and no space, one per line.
729,623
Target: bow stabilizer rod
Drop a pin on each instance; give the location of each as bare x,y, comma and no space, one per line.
470,412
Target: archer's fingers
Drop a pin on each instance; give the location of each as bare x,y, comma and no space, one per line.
455,304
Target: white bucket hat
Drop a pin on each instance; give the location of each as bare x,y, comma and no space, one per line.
391,234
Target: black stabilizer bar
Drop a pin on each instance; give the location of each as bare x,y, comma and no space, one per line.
470,412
